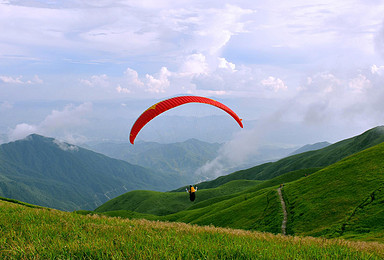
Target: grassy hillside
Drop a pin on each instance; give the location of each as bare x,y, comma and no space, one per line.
164,203
344,199
48,234
49,173
238,204
311,159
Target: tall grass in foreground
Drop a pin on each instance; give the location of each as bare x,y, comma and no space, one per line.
42,233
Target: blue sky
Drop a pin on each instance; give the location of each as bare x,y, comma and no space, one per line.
316,64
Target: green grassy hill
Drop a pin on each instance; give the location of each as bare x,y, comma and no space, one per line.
245,204
311,159
343,199
164,203
53,234
46,172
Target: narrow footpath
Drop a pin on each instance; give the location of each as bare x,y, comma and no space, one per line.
284,224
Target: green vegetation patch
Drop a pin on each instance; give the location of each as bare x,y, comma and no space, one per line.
344,198
29,233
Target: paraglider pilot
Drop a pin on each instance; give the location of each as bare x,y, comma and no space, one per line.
192,190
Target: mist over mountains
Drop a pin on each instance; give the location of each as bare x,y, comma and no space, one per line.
193,159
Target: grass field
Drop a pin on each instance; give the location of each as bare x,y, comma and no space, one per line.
344,199
35,233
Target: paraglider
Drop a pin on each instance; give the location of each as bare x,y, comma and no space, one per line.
170,103
192,192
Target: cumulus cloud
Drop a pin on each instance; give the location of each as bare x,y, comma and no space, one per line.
360,83
133,78
131,82
194,64
96,81
11,80
224,64
120,89
351,98
120,28
22,130
59,123
206,30
379,70
273,83
325,102
19,80
321,83
158,83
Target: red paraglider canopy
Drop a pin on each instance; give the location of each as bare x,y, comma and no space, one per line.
167,104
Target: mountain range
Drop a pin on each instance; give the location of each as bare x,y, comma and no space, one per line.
47,172
181,158
184,158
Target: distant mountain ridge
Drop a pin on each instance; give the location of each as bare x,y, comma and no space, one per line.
181,158
47,172
184,158
311,147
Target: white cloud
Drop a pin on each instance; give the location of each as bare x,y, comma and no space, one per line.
322,83
131,83
205,30
353,99
360,83
224,64
21,131
66,147
157,49
11,80
19,80
96,81
59,123
133,78
379,70
273,83
194,64
158,83
71,116
119,89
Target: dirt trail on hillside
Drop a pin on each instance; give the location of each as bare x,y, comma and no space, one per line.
284,223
